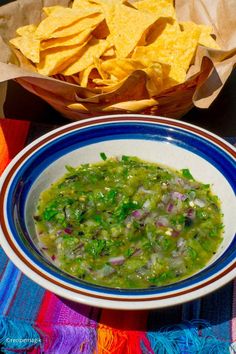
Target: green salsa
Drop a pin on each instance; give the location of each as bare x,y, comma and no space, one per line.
128,223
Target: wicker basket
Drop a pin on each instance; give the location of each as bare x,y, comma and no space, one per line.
66,97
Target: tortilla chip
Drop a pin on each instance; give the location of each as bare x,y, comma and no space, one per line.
154,82
26,30
51,9
94,48
53,61
121,68
131,88
23,61
78,107
161,8
105,82
185,48
173,75
133,106
101,31
205,36
85,4
120,50
171,46
84,75
98,65
60,19
110,52
122,23
85,23
67,41
29,46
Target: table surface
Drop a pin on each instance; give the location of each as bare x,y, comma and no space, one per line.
219,118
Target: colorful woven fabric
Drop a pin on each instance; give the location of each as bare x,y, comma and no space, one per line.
33,320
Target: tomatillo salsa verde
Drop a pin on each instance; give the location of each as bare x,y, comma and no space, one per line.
128,223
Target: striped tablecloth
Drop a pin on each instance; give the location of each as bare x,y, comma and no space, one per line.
33,320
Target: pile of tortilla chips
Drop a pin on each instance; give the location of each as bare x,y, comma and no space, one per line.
101,44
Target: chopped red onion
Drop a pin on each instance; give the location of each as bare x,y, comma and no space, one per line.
178,196
170,207
162,221
191,213
179,181
136,214
117,260
53,257
175,233
68,230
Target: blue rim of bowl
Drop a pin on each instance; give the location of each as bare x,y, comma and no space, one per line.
191,138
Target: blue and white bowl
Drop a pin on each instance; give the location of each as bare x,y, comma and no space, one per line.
172,143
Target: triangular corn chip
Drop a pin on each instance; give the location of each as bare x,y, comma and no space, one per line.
133,106
154,83
59,19
205,38
85,4
67,41
84,75
26,30
94,48
127,26
161,8
29,46
52,9
54,61
85,23
121,68
172,46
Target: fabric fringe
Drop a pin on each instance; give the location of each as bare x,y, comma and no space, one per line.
186,338
189,337
114,341
18,337
66,339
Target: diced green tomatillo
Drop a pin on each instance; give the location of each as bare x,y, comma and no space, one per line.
128,223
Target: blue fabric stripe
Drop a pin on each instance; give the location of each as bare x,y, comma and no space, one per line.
159,318
9,282
27,302
19,300
183,338
217,309
191,310
3,261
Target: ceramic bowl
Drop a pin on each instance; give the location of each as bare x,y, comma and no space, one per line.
166,141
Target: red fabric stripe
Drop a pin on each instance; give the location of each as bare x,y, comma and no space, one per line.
15,133
46,307
121,332
125,320
4,154
45,329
